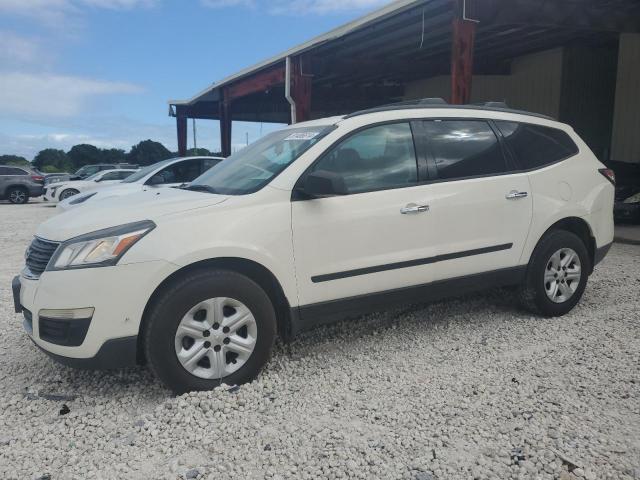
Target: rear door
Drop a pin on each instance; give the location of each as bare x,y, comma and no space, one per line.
480,209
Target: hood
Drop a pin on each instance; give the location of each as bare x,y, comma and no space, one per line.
149,204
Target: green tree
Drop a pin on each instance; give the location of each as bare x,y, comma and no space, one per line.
198,152
148,152
51,158
84,154
14,160
113,155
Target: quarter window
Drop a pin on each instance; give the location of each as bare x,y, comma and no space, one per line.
536,146
377,158
464,148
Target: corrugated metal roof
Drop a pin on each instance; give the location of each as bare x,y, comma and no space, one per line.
388,10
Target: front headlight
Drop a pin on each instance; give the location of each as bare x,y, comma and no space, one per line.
99,249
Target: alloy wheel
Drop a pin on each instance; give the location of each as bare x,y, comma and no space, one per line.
17,196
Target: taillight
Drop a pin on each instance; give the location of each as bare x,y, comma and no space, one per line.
37,178
608,174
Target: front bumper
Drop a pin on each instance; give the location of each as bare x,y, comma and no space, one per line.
118,294
50,195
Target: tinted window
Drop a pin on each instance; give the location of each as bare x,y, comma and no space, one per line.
464,148
122,175
536,146
207,163
110,176
181,172
4,171
373,159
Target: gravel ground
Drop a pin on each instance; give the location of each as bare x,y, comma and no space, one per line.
470,388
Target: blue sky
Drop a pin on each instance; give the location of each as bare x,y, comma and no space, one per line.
101,71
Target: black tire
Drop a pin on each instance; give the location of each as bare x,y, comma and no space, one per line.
18,195
533,295
177,299
68,192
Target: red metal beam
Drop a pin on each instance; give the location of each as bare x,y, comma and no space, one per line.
301,90
181,126
224,107
256,83
462,60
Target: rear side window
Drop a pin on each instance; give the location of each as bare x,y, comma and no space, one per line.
12,171
378,158
536,146
464,148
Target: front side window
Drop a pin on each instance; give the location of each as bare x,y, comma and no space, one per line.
536,146
464,148
253,167
111,176
180,172
377,158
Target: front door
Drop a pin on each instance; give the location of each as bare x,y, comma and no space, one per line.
365,241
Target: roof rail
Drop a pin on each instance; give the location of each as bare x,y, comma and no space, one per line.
440,103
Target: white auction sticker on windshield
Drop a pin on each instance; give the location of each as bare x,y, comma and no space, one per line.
302,136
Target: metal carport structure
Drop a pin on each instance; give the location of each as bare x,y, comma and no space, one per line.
373,59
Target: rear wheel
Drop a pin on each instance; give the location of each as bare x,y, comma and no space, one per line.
557,274
207,328
69,192
18,195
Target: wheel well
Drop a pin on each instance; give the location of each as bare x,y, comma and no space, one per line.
582,230
253,270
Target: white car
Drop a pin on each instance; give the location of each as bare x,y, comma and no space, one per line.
319,221
167,173
55,192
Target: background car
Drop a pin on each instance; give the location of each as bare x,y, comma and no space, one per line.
61,190
628,209
50,178
18,184
174,172
89,170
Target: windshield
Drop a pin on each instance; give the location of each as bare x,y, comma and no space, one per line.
253,167
143,172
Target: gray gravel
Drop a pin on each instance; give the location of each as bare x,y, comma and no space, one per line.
470,388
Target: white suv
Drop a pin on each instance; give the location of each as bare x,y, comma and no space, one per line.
319,221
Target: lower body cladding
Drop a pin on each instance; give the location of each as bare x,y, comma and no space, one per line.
88,318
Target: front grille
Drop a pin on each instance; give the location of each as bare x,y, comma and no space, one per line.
38,255
69,333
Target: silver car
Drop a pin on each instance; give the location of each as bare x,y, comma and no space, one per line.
18,184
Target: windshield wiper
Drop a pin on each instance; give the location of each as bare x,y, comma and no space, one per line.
200,188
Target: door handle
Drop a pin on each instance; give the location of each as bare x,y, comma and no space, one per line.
515,194
412,208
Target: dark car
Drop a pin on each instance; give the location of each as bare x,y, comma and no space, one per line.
628,210
89,170
18,184
627,204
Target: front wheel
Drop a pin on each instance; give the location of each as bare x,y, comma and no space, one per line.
207,328
69,192
557,274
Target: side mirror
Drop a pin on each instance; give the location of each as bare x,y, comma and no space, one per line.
156,180
321,184
98,180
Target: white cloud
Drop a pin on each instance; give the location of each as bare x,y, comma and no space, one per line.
18,50
298,7
58,12
34,96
